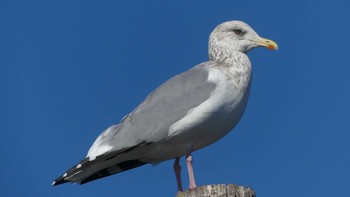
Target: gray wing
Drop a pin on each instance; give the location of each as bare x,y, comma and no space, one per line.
151,120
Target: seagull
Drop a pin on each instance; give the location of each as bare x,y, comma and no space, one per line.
186,113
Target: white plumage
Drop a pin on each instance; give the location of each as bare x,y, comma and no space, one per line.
186,113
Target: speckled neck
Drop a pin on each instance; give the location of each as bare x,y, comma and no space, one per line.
233,64
220,50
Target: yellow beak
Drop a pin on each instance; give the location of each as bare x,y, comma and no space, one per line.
267,43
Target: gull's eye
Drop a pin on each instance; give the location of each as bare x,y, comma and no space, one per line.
238,32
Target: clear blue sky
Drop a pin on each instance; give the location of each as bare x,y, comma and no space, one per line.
69,69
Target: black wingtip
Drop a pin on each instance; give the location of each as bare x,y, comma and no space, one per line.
59,181
86,164
74,170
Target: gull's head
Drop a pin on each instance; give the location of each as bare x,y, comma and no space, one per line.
236,36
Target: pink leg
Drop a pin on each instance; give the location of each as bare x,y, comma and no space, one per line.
190,171
177,169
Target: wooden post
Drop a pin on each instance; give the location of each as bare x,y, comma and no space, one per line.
220,190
